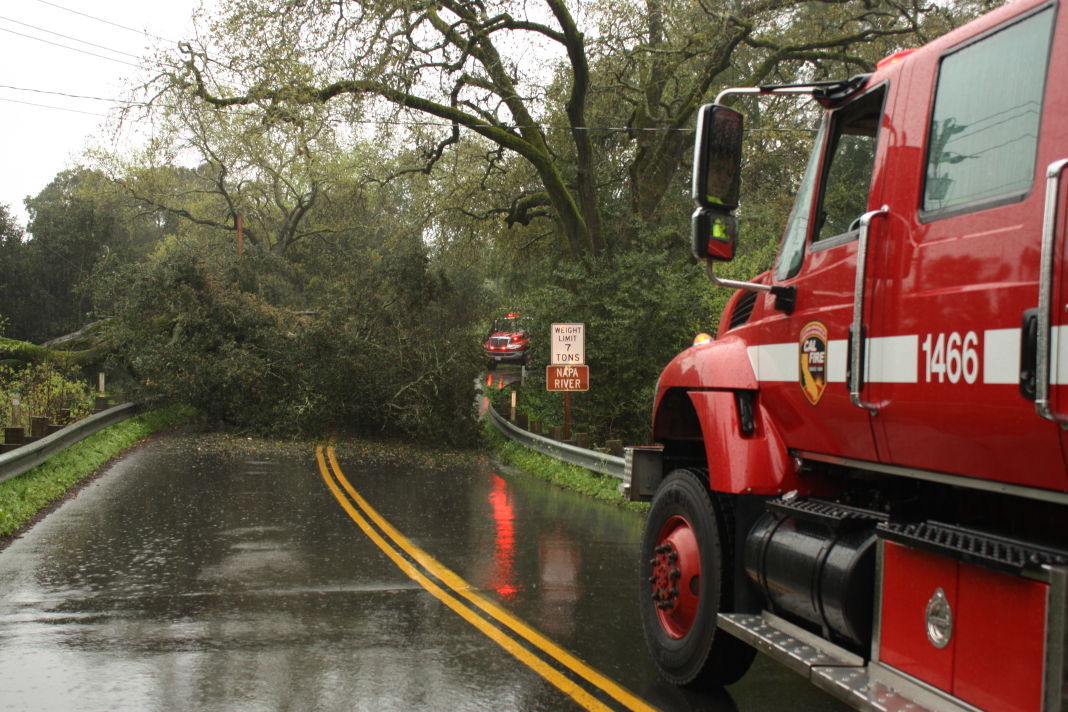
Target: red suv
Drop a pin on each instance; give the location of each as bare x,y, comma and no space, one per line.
508,341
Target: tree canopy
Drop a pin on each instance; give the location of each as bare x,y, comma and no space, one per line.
594,99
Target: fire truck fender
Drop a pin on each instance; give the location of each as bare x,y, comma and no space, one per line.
723,363
741,463
699,397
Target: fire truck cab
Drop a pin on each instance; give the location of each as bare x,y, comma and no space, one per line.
864,474
508,341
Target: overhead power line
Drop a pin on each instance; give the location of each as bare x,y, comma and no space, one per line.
74,49
74,96
57,108
106,22
68,37
375,122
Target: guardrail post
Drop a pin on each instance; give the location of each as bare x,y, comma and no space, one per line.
615,447
38,426
535,427
13,438
521,420
557,432
16,411
582,440
101,404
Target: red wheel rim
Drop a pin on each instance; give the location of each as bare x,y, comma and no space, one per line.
676,576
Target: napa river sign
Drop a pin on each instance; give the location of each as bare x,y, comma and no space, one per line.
567,344
567,378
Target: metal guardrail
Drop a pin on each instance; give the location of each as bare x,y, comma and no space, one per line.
590,459
16,462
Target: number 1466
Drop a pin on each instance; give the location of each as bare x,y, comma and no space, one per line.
951,357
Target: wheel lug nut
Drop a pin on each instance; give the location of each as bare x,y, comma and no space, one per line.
673,556
675,574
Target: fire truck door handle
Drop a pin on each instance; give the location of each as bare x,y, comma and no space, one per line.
857,332
1044,345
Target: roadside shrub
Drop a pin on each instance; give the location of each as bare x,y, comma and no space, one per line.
43,390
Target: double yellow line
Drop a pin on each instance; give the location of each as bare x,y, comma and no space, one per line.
454,588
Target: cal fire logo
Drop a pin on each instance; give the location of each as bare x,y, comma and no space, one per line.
813,361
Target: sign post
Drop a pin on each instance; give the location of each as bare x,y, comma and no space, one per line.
568,370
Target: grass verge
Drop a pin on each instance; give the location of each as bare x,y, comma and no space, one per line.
579,479
22,497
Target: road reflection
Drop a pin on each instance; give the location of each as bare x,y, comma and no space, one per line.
503,579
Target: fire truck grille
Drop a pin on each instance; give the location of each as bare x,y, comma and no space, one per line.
498,341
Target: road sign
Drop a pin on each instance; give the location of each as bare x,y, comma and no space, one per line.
567,378
567,344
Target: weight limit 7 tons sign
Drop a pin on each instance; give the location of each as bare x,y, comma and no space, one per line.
567,344
567,350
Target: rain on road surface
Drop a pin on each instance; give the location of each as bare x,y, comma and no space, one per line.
196,576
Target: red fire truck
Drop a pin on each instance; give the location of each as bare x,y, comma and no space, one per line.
508,341
864,474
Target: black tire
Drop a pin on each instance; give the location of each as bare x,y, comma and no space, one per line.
688,530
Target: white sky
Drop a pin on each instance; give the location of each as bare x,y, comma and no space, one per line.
79,47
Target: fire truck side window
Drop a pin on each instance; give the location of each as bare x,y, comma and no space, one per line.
851,160
984,130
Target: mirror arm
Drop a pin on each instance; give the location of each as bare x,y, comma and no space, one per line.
785,297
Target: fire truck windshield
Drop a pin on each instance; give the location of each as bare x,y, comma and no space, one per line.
510,324
793,241
845,160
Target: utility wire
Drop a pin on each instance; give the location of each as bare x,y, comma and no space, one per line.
376,122
68,37
75,49
74,96
57,108
106,22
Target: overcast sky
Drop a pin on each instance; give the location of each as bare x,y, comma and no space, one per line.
51,49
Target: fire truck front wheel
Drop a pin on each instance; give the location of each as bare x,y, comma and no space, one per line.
686,572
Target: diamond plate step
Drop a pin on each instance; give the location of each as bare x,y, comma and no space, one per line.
840,673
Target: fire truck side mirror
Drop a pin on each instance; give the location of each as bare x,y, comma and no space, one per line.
715,233
717,158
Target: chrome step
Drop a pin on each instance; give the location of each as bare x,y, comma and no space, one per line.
842,674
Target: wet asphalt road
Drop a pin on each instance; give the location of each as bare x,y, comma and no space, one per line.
193,577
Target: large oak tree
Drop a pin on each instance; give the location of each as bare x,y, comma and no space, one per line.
561,84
